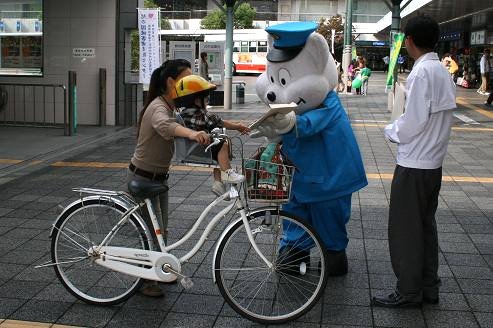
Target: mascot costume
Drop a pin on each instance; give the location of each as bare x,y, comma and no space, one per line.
317,138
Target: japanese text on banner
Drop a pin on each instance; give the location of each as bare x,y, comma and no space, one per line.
149,43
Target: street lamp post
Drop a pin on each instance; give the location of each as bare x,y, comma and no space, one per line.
231,6
348,40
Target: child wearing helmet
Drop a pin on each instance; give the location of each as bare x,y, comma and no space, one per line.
192,92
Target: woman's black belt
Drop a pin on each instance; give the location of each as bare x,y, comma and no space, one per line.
147,174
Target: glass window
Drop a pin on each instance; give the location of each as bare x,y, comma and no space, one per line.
262,46
244,46
21,37
252,47
236,46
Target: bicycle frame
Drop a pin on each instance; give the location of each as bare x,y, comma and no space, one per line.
143,263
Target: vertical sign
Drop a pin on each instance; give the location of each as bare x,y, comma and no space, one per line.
215,59
149,43
397,39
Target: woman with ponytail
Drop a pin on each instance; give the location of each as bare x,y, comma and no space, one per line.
157,128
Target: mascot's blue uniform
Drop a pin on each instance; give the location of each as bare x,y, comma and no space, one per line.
318,140
329,169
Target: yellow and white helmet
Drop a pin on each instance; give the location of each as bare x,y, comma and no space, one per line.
193,85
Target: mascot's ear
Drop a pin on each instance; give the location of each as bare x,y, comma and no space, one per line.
270,41
317,46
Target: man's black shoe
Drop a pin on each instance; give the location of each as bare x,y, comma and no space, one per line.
395,300
337,264
290,259
430,300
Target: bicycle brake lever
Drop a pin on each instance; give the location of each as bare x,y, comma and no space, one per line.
215,142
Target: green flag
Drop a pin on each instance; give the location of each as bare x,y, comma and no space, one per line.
353,53
398,38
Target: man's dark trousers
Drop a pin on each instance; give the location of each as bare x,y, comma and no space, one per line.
413,241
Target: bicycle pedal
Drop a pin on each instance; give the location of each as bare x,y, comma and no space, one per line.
186,283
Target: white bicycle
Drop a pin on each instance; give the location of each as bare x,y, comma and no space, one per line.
102,250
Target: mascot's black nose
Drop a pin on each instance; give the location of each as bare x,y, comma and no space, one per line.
271,96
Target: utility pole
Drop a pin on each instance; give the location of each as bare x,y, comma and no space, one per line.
231,6
348,40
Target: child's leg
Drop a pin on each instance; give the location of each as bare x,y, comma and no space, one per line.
217,174
223,157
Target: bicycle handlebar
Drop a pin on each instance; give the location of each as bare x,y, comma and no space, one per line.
217,135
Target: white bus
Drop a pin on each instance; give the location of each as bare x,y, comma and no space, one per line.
249,46
249,49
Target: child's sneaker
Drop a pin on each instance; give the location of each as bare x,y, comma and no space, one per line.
231,176
218,188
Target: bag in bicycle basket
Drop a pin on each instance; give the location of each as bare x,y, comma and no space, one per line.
268,178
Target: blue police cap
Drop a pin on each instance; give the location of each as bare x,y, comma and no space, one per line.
289,39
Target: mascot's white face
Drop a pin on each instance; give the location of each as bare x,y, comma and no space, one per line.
306,79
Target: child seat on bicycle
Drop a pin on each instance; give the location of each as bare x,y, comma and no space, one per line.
192,93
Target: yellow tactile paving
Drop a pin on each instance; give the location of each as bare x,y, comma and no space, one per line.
454,128
25,324
475,108
10,161
447,178
383,176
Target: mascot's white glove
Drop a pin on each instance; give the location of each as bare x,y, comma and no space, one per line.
266,131
282,123
274,126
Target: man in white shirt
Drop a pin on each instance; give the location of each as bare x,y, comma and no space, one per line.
422,135
484,68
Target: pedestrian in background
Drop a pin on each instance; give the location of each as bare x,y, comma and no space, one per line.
155,147
489,100
350,75
485,69
422,134
204,66
386,60
400,61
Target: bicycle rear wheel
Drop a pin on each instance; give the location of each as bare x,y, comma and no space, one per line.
271,295
86,224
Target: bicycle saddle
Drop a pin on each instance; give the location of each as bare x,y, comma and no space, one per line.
146,189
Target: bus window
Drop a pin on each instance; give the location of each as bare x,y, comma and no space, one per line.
244,46
262,46
236,46
252,46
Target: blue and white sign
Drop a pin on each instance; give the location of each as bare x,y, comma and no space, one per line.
148,20
379,43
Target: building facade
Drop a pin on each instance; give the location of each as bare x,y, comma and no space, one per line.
42,40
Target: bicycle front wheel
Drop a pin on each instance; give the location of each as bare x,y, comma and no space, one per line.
84,225
271,295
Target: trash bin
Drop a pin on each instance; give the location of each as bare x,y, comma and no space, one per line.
240,93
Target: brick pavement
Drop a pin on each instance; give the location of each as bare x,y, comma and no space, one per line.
29,204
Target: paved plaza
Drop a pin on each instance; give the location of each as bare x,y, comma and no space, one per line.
30,201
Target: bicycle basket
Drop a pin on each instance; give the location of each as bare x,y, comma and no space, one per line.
267,182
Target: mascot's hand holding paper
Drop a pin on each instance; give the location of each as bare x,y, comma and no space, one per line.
317,138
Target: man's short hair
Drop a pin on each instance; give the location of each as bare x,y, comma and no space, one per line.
424,31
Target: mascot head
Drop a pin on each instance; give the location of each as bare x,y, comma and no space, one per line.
299,69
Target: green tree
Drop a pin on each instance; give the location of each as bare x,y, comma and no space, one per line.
326,25
165,24
214,21
243,18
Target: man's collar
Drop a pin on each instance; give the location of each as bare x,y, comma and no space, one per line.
426,56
